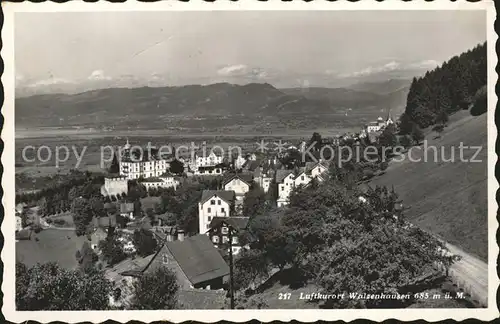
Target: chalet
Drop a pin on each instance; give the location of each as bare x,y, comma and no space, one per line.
219,232
214,203
239,183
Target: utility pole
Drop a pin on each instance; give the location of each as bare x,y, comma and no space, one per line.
231,276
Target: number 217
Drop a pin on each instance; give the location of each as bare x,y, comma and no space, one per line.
284,295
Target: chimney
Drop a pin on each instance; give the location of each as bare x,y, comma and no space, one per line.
180,235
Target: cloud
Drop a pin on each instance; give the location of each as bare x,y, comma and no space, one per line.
49,82
98,75
391,66
233,70
427,64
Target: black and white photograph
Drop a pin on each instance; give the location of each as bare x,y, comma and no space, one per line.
245,161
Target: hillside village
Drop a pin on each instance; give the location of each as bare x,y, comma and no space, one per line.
212,232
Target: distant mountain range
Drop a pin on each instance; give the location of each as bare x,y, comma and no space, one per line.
117,106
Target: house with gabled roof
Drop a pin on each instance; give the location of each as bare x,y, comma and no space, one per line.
219,232
198,266
239,183
285,181
214,203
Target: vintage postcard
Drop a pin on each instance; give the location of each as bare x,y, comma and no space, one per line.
236,161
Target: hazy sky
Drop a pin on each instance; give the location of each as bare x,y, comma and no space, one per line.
190,47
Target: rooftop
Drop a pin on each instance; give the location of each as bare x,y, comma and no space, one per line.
227,196
237,222
282,174
198,258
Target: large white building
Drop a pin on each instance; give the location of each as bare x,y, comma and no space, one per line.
287,180
214,203
165,181
147,167
380,124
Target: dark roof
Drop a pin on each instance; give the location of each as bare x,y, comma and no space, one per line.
126,208
238,223
198,258
227,196
282,174
201,299
210,167
245,177
251,165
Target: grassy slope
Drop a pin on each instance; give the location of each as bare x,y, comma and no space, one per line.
445,198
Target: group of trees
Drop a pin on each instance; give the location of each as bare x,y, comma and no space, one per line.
58,195
445,90
342,243
49,287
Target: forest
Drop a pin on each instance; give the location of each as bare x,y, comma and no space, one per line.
451,87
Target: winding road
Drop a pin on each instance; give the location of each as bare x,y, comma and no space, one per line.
470,273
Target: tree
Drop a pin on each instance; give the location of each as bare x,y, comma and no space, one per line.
114,167
156,290
49,287
43,207
254,202
112,250
144,241
176,167
388,137
86,257
417,134
406,141
249,265
316,141
97,206
82,215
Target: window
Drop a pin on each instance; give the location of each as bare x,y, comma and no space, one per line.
235,240
302,178
224,230
225,239
215,239
218,202
222,210
208,226
209,210
164,259
212,202
209,218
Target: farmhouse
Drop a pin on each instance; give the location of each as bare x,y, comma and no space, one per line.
214,203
